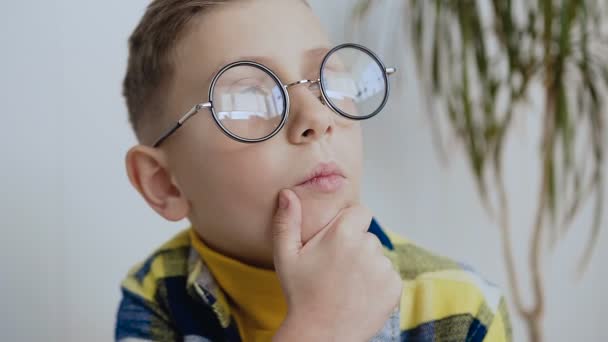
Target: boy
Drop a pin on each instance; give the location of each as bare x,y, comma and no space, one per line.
248,123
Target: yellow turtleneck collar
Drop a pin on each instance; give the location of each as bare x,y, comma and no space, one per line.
254,294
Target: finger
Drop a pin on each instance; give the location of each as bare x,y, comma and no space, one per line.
287,226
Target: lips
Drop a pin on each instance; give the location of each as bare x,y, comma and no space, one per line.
325,177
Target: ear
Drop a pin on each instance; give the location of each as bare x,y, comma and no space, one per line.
149,173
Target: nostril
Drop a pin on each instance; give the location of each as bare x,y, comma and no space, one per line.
307,132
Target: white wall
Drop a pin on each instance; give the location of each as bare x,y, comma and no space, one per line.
72,225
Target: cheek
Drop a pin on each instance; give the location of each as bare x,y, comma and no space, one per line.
350,147
222,181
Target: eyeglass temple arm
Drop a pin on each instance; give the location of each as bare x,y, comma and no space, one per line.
181,121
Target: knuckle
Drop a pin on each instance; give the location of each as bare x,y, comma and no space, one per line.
387,266
279,218
398,283
340,233
280,227
371,243
398,289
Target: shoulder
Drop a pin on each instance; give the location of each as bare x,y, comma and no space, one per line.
446,296
167,261
145,308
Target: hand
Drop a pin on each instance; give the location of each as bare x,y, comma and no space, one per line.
339,285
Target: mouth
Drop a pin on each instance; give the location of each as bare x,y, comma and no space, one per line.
325,178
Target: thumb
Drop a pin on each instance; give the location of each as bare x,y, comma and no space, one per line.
286,227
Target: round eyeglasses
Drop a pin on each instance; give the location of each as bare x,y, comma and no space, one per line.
249,103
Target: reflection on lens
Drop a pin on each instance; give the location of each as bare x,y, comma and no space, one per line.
248,102
354,82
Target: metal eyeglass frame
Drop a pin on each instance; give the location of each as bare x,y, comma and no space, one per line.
284,91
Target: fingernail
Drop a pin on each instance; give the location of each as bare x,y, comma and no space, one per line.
283,200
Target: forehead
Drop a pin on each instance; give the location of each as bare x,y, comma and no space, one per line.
282,34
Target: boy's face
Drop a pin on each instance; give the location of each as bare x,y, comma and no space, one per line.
231,188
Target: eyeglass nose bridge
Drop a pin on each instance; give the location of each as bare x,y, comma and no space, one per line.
311,82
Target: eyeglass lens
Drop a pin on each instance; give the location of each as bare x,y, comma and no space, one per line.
250,104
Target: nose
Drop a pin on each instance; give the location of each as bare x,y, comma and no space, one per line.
310,120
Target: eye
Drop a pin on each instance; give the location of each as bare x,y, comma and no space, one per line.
336,65
249,85
252,89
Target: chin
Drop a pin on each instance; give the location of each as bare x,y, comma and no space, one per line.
318,213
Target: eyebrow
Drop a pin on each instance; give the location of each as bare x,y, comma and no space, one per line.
267,61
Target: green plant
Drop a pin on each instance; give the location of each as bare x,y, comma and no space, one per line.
480,61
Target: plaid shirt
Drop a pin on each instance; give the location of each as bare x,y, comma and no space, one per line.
172,296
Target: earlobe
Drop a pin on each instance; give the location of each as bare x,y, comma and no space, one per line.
149,174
